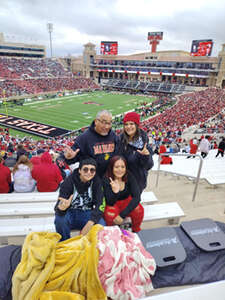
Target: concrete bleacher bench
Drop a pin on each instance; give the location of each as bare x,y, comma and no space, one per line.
170,211
216,179
28,197
26,208
209,291
18,226
146,197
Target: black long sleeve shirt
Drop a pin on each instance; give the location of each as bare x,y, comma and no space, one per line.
73,183
131,189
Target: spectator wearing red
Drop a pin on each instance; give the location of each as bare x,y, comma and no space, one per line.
5,178
165,159
193,147
36,160
47,174
215,145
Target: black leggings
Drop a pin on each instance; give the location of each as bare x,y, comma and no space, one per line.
220,152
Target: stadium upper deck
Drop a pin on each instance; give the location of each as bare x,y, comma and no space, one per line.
163,66
8,49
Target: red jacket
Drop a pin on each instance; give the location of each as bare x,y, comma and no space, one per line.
5,179
193,147
47,174
35,160
165,160
162,149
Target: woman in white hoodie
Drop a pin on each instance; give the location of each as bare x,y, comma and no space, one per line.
22,178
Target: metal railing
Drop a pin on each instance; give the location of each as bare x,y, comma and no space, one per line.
182,154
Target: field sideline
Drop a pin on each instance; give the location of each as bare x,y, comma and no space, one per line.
74,112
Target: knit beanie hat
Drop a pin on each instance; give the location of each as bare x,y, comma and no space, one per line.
132,117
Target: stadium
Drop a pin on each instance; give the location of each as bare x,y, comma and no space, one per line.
46,103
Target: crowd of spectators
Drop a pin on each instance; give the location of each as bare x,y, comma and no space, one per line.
191,109
14,68
163,121
43,85
26,76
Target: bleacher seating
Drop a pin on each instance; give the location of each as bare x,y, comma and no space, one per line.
144,86
146,197
19,218
209,291
213,170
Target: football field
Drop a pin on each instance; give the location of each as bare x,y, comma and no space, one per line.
74,112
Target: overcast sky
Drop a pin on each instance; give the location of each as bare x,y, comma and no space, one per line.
77,22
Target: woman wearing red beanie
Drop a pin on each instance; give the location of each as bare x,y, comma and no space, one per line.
134,146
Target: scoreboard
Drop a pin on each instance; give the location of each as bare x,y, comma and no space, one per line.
109,48
201,47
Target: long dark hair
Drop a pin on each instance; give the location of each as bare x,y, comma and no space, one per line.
109,171
125,136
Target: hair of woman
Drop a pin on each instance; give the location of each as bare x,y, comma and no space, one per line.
113,160
23,159
126,137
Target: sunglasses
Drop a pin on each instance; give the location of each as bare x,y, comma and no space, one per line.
86,169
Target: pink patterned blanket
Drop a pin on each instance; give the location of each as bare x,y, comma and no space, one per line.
124,265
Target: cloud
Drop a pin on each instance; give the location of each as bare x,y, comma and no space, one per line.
76,22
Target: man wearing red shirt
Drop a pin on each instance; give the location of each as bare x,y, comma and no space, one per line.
5,178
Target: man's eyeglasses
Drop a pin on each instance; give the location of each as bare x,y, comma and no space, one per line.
105,122
86,169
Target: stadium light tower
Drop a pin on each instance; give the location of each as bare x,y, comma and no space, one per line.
50,29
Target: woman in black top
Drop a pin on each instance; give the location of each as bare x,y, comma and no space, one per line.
134,146
122,195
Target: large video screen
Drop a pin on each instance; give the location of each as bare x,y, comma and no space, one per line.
201,47
109,48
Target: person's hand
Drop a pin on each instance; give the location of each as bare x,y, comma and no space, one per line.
144,151
64,203
118,220
114,185
69,153
87,227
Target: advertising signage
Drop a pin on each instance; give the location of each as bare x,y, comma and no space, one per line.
32,127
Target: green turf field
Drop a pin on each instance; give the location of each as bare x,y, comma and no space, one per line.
73,112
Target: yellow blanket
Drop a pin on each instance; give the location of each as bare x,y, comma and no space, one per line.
66,270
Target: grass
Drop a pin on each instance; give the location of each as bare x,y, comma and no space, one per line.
71,112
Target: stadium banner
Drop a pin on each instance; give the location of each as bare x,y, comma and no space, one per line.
40,129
